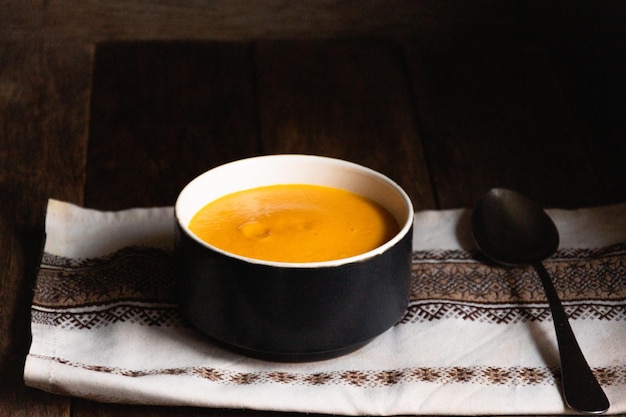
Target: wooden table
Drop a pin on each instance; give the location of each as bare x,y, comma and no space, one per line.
118,105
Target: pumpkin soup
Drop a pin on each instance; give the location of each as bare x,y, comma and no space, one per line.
294,223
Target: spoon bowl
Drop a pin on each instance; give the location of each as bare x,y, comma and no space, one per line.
510,229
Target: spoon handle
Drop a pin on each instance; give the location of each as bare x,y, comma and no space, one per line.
581,389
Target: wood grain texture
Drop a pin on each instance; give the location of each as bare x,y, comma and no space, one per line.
164,113
589,67
240,19
63,20
44,94
494,112
346,100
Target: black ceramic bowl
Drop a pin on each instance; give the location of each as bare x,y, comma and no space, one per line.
293,311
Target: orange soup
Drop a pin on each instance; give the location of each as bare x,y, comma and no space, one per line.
294,223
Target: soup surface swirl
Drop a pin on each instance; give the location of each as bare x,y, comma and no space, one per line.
294,223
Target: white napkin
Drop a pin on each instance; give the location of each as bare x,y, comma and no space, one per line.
476,339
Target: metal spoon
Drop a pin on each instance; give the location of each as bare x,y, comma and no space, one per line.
511,230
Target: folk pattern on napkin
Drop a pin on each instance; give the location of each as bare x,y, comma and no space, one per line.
464,285
136,285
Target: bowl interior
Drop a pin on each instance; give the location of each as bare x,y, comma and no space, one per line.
294,169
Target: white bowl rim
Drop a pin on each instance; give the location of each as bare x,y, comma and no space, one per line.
406,222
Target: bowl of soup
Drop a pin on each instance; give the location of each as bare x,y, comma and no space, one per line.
293,257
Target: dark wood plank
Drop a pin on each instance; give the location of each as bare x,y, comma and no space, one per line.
493,113
44,98
346,99
591,65
84,408
228,20
162,114
537,106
